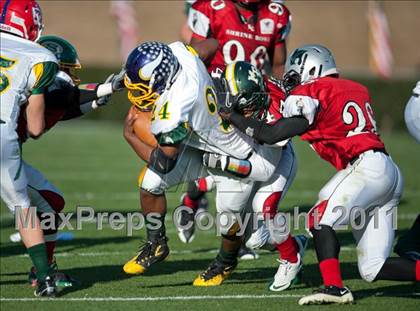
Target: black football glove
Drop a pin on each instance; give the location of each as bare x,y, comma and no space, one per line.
226,102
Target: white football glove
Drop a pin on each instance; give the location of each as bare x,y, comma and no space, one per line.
101,101
117,81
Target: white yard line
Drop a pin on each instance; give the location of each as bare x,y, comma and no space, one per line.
163,298
173,298
172,252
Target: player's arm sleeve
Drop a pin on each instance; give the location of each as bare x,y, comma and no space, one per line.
85,97
91,91
270,133
199,19
44,76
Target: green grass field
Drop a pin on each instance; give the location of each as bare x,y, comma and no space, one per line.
93,166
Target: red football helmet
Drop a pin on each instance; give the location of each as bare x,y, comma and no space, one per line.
22,18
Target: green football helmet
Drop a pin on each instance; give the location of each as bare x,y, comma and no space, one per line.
246,84
65,53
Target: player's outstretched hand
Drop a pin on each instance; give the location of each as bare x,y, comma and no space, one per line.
117,81
102,101
225,101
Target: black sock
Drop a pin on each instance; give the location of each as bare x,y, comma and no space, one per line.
397,269
155,226
227,257
326,243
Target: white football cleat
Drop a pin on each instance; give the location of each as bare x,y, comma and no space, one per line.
328,295
286,274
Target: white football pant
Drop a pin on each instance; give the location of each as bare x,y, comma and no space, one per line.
13,178
412,113
365,194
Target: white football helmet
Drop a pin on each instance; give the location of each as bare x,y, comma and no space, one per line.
306,63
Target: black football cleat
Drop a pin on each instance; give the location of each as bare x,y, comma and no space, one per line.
46,288
61,279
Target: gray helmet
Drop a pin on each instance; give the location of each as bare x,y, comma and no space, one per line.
308,62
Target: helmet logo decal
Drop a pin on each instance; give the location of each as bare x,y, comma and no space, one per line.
253,75
296,58
55,48
146,72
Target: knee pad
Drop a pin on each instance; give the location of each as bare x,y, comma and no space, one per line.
151,182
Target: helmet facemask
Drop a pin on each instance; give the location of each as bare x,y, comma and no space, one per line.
254,107
291,79
141,95
72,71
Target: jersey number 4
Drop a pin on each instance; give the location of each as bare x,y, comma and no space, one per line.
363,122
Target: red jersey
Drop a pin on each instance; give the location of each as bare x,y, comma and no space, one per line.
342,124
241,36
277,98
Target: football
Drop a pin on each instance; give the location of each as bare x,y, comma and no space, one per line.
142,127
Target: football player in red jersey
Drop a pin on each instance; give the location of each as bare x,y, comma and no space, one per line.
335,116
246,30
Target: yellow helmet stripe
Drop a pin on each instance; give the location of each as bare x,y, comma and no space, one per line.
230,77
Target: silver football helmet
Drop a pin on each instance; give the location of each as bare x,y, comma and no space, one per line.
306,63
